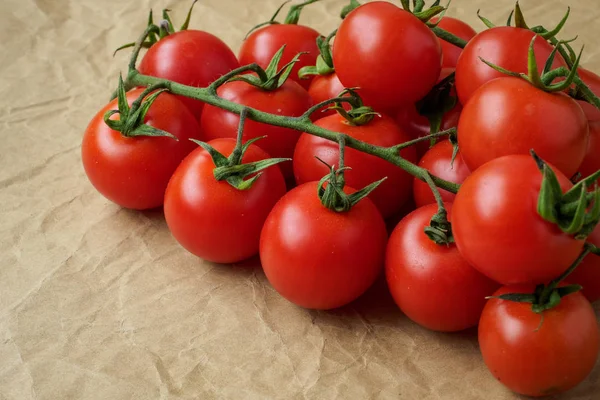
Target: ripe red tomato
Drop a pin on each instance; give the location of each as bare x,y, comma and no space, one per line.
134,171
262,44
211,218
438,161
392,194
538,359
591,161
431,283
511,116
189,57
290,99
325,87
497,227
389,53
593,82
309,253
587,274
504,46
458,28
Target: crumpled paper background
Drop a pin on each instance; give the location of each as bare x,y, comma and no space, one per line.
98,302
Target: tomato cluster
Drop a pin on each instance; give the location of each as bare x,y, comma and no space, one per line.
503,125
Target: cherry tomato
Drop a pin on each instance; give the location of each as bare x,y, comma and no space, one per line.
391,195
134,171
317,258
262,44
438,161
189,57
497,227
325,87
431,283
511,116
504,46
587,274
591,161
389,53
593,81
538,355
211,218
458,28
290,99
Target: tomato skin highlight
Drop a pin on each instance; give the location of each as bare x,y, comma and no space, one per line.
211,218
389,53
438,161
133,172
433,284
190,57
592,80
511,116
497,227
290,99
262,44
459,28
504,46
307,251
536,359
392,194
325,87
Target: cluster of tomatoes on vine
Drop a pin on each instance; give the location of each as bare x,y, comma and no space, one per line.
484,145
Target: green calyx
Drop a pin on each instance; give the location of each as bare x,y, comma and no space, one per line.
292,17
543,80
353,5
131,119
163,29
331,187
437,103
230,168
324,64
270,78
571,211
439,229
419,11
359,114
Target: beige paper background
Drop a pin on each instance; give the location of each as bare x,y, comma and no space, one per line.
97,302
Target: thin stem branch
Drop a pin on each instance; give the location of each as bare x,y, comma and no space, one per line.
449,37
435,135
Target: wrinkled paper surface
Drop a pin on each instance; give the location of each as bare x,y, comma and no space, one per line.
98,302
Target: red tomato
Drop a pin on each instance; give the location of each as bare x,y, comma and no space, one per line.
511,116
458,28
438,161
189,57
504,46
290,99
587,274
593,82
309,253
431,283
211,218
591,161
389,53
325,87
497,227
134,171
538,359
391,195
262,44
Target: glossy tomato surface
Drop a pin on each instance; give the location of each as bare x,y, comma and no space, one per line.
325,87
591,160
134,171
458,28
592,80
587,274
317,258
211,218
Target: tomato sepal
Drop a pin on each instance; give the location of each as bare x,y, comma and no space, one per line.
324,64
354,4
292,17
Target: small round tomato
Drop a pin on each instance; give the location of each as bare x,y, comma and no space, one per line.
504,46
438,161
432,283
189,57
262,44
391,195
134,171
211,218
592,80
511,116
325,87
497,227
290,99
458,28
538,354
587,274
318,258
591,161
389,53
